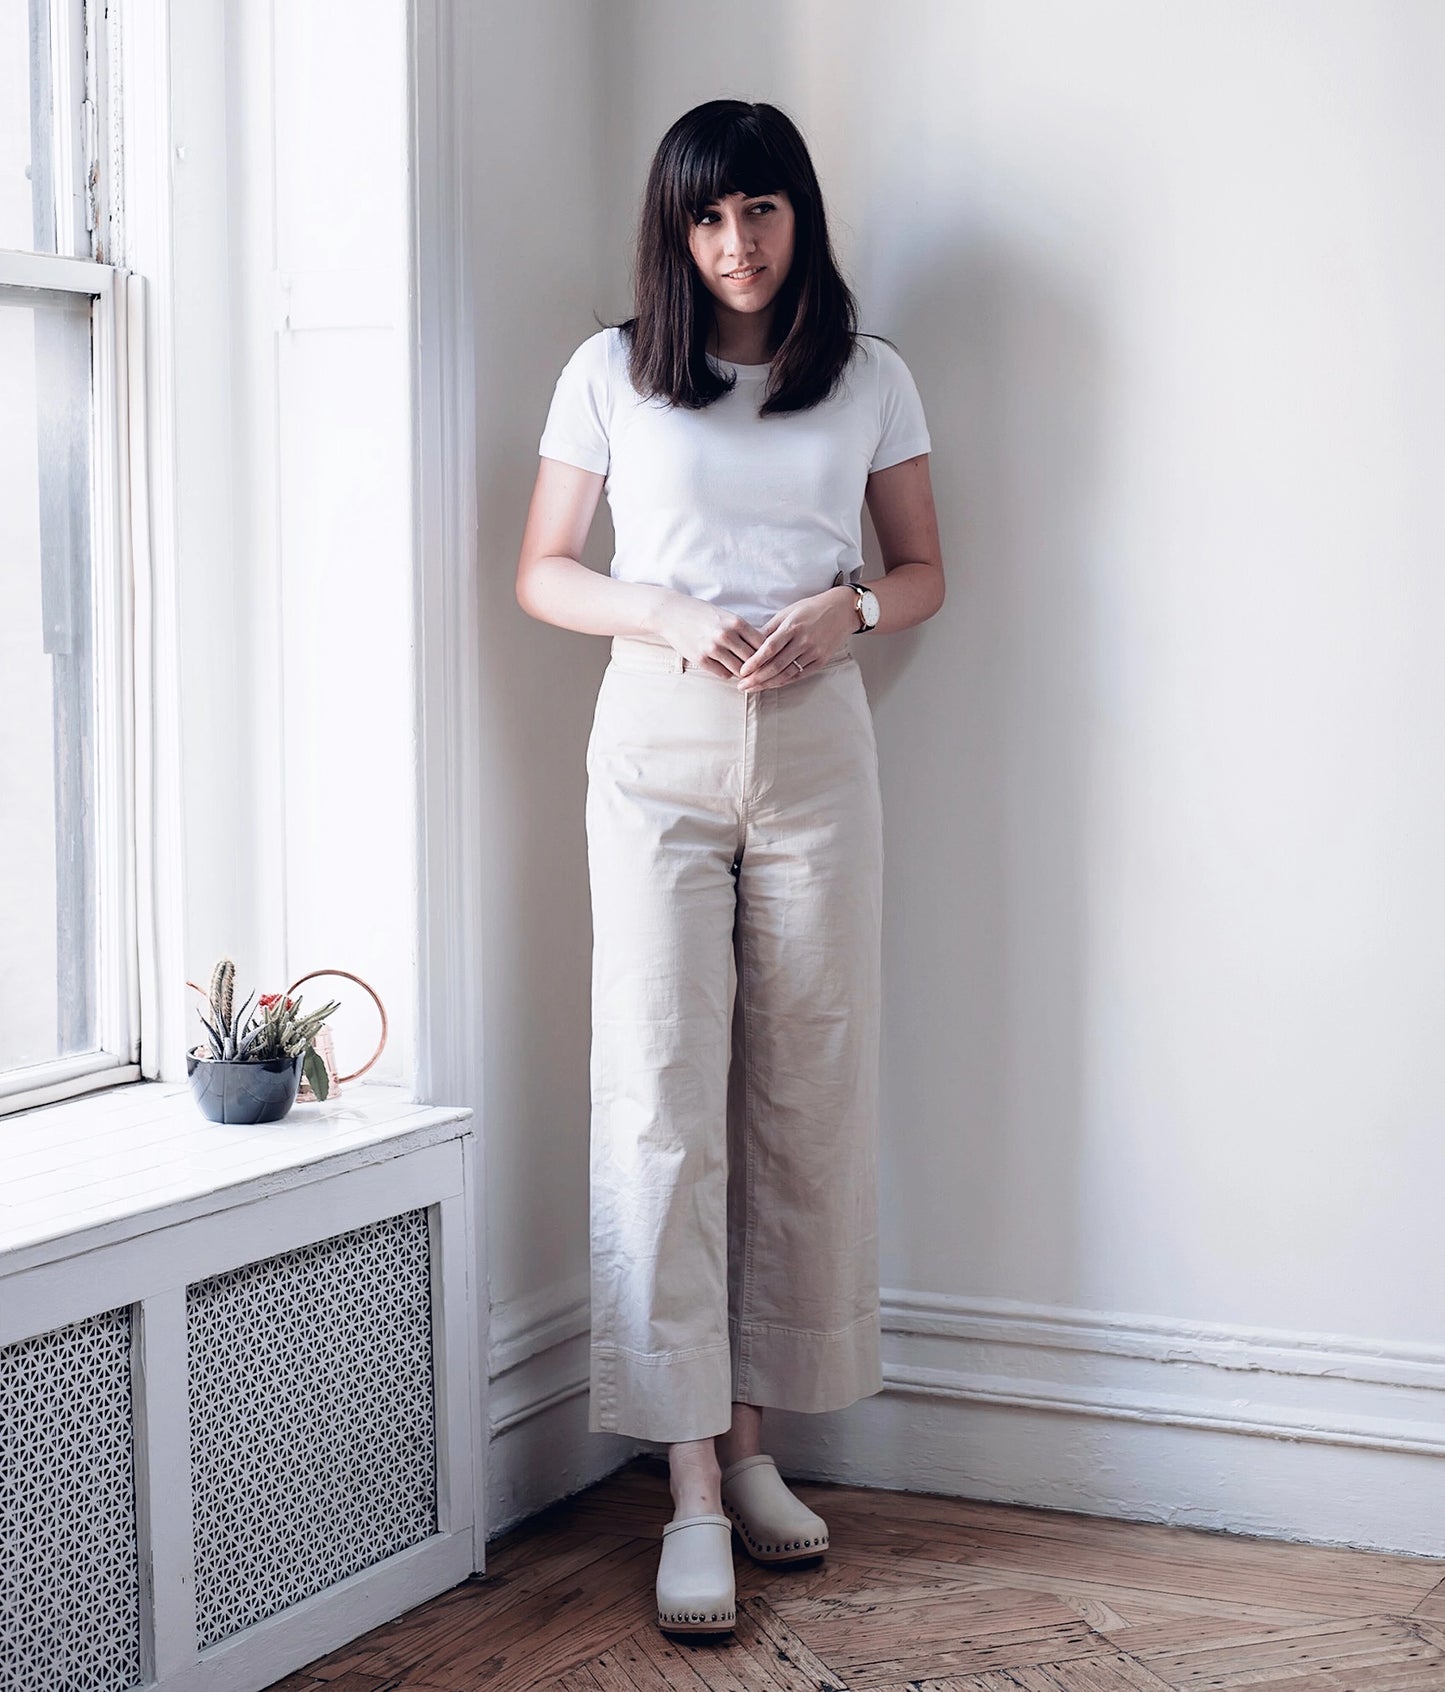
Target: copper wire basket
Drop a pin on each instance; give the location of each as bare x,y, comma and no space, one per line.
323,1037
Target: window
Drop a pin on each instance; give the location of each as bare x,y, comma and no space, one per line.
69,1016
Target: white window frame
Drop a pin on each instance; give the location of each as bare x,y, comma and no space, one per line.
87,220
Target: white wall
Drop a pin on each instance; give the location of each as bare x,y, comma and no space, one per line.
539,202
1166,997
536,206
1164,912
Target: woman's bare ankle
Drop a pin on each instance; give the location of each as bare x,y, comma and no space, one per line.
744,1438
694,1478
695,1466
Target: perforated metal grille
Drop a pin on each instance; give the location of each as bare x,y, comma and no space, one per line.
69,1589
313,1443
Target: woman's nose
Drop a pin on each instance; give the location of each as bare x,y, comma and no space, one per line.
739,240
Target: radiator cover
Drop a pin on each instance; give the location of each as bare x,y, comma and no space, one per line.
69,1581
313,1442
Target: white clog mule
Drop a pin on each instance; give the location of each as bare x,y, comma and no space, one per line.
696,1592
774,1524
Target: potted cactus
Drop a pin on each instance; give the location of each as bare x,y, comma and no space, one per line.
251,1067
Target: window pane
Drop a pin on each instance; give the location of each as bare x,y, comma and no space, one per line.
27,183
47,693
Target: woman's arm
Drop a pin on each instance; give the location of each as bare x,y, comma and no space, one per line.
553,585
900,502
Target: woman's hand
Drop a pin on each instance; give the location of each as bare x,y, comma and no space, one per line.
811,630
717,641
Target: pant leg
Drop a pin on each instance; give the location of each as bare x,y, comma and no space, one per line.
803,1100
662,826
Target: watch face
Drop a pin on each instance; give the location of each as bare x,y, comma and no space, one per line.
871,608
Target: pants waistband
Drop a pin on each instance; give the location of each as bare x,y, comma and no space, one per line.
638,654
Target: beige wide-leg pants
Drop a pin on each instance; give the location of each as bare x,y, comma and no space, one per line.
735,851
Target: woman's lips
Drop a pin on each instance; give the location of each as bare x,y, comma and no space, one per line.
744,281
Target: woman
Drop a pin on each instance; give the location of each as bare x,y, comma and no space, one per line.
734,824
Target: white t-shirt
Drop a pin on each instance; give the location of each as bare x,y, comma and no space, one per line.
749,513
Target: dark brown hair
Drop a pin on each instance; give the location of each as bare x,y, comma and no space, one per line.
719,148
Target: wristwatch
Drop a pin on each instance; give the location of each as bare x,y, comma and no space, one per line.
865,602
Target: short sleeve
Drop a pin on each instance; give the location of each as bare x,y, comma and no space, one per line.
576,426
902,427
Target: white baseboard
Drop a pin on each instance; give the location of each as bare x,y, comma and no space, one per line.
538,1446
1327,1439
1325,1389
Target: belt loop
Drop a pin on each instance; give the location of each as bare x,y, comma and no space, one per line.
631,651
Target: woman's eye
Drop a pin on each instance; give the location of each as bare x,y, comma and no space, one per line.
761,206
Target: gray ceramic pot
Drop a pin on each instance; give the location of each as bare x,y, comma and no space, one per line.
244,1092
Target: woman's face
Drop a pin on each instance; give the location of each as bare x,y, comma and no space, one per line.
744,233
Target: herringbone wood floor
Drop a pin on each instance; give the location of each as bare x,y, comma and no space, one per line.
917,1593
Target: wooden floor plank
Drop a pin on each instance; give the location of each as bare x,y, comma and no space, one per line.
1355,1649
1380,1679
392,1648
872,1643
350,1680
629,1666
1275,1575
1021,1535
1115,1672
554,1629
788,1651
563,1556
762,1655
1209,1628
1432,1632
610,1672
1131,1609
691,1666
576,1680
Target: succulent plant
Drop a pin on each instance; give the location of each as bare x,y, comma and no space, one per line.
273,1029
232,1037
287,1032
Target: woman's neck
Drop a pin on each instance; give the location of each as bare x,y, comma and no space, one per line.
747,345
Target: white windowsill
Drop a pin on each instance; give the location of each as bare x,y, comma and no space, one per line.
107,1166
